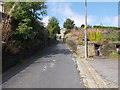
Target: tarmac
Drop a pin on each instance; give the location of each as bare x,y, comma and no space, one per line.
106,68
91,78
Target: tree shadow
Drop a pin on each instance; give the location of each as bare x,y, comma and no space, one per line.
58,48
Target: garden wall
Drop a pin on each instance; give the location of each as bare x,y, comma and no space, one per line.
105,49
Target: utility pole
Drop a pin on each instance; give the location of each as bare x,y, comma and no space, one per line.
86,29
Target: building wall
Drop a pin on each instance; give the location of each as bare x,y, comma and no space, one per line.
1,10
1,7
62,32
107,49
81,50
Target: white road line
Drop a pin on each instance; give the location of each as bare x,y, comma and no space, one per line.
53,60
52,65
44,69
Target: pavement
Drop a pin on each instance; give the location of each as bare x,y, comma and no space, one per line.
98,72
54,68
107,68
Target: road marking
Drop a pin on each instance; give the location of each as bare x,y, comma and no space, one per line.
44,69
52,65
53,60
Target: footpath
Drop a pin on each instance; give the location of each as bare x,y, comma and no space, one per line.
91,79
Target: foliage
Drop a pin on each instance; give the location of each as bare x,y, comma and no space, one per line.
23,30
25,18
69,24
98,36
53,26
76,28
110,35
8,6
67,31
26,27
105,27
95,36
92,35
82,26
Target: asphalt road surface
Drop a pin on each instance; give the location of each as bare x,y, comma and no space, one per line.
107,68
54,68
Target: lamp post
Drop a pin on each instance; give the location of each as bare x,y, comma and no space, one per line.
86,29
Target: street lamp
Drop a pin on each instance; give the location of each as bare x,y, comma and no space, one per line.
86,29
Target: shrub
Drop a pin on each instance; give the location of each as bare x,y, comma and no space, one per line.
98,36
67,31
92,36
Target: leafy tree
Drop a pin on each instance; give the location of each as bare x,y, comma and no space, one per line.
25,23
8,6
76,28
53,26
69,24
67,31
82,26
25,19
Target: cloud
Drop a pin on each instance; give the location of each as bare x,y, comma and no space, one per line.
110,20
45,20
65,10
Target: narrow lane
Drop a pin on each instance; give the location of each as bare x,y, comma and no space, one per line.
54,68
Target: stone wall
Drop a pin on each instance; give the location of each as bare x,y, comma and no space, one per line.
108,49
81,50
105,49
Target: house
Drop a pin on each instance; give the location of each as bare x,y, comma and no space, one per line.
2,10
62,32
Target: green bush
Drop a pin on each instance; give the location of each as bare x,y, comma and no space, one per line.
106,27
67,31
92,36
98,36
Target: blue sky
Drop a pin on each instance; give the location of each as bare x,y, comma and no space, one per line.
98,12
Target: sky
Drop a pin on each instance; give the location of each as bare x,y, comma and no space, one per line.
97,12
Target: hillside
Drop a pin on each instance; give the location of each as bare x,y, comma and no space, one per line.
105,34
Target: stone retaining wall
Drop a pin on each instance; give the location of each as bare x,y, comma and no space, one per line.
105,49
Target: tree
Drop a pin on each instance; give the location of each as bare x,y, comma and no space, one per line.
25,19
82,26
69,24
76,28
53,26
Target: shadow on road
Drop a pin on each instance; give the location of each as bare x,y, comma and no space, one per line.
57,48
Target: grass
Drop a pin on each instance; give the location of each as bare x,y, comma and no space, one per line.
115,55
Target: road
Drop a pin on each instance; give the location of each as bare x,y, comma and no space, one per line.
54,68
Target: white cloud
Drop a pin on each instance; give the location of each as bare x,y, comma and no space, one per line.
80,0
65,10
45,20
110,20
